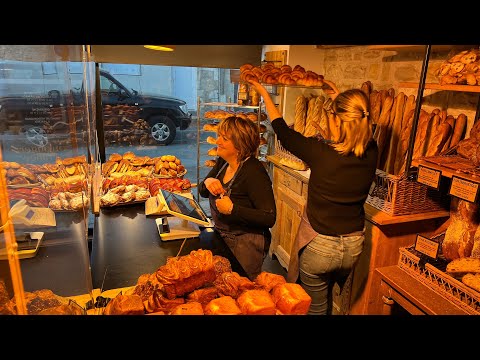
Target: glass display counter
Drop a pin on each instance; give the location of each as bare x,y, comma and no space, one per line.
47,162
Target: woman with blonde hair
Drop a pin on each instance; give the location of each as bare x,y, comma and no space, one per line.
331,234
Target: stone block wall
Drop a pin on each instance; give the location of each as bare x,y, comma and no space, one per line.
350,66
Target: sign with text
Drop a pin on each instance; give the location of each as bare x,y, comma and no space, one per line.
426,246
464,189
429,176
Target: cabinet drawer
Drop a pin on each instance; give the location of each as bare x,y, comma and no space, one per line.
290,182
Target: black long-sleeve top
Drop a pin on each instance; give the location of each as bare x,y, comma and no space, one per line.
252,196
338,185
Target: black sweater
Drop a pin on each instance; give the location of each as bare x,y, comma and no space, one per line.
252,196
338,185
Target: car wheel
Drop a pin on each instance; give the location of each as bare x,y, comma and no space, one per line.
163,130
37,136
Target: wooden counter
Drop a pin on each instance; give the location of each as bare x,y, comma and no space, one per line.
395,287
384,235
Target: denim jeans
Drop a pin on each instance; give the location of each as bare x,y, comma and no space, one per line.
327,260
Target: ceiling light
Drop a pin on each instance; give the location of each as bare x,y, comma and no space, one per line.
160,47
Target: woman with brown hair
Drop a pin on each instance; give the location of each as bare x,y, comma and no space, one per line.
240,194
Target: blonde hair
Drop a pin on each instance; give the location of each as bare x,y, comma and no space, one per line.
355,130
243,133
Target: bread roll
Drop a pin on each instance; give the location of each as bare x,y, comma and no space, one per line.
210,127
204,295
210,163
300,114
232,284
212,152
211,140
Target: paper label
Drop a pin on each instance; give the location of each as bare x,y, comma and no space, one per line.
427,246
428,176
464,189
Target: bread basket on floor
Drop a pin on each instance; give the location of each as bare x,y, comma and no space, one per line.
433,275
399,195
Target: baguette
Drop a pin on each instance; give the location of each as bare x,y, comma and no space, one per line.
300,114
443,133
450,120
404,142
396,133
458,130
382,130
432,132
423,121
312,112
377,107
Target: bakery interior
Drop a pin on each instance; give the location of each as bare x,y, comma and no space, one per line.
82,186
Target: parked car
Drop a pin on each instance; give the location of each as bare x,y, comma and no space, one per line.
127,116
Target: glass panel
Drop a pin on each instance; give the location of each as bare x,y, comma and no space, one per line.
49,151
152,111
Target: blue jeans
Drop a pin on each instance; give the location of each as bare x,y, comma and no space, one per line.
327,260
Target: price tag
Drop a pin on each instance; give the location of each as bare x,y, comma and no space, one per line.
464,189
429,176
426,246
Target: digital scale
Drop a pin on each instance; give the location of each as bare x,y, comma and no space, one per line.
27,245
173,228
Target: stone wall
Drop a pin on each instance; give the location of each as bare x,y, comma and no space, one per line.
350,66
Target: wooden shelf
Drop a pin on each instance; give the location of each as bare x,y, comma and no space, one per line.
465,88
420,48
380,218
446,172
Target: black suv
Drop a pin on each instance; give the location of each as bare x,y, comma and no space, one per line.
128,118
159,115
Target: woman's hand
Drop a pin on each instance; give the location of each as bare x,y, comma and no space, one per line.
258,87
224,205
214,186
333,92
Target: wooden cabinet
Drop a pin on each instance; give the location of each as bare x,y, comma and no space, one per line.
290,191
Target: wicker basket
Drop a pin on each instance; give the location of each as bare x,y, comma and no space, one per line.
399,195
433,275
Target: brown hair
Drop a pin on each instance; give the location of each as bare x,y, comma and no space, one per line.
355,130
243,133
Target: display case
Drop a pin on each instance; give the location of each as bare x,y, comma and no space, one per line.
48,160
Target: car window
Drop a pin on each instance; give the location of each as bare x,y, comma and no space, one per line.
106,85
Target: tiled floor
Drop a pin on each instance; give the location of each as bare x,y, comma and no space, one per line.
272,265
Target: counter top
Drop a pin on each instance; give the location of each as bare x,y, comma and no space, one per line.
126,244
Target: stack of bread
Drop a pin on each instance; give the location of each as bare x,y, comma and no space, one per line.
462,68
393,114
203,283
461,245
284,75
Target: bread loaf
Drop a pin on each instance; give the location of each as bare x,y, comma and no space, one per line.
436,145
210,163
125,305
291,299
461,266
232,284
459,236
423,123
472,280
268,280
204,295
403,143
256,302
210,127
190,308
225,305
181,275
312,112
300,114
